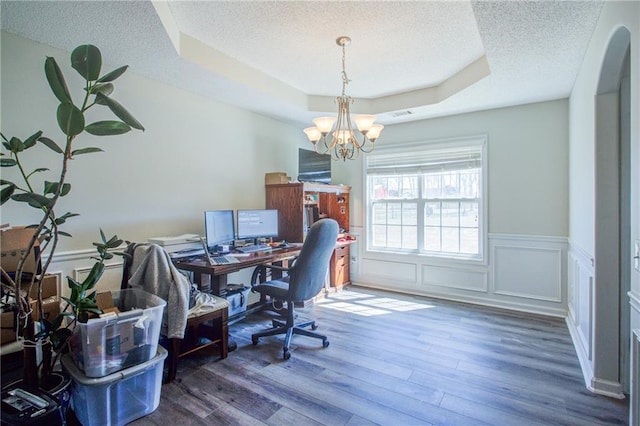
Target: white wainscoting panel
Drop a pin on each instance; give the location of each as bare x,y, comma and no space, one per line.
110,280
435,276
528,272
580,321
390,271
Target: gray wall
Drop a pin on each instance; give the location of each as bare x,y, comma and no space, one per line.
195,154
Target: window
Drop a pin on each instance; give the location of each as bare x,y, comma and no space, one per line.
427,199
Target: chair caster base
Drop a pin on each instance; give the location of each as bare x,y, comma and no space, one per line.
254,340
286,354
325,343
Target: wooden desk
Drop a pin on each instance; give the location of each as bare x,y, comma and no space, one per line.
213,278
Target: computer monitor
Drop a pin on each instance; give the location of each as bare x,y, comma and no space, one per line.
219,227
257,223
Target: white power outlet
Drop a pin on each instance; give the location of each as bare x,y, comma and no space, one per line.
636,255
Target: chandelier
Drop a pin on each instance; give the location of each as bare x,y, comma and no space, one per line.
343,143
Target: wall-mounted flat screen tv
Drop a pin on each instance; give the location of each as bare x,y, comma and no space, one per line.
313,167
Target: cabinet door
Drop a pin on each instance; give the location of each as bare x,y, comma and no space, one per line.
340,262
288,200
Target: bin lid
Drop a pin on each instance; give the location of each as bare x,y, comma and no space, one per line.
69,365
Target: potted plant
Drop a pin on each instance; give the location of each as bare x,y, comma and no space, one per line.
42,194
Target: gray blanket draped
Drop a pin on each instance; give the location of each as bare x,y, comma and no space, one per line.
152,271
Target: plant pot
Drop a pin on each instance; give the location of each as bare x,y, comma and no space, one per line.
58,385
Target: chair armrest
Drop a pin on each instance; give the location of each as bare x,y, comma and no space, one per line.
262,269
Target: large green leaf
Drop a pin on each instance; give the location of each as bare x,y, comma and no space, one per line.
38,170
94,276
34,200
70,119
68,215
52,187
85,151
6,193
113,74
106,89
119,111
50,144
87,60
107,128
56,80
31,140
16,145
61,220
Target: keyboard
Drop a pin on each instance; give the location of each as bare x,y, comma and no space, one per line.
222,260
253,248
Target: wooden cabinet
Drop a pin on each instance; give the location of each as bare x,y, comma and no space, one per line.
300,204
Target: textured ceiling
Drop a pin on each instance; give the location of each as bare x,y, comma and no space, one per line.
279,58
295,41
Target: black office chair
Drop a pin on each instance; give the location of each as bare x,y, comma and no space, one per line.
305,278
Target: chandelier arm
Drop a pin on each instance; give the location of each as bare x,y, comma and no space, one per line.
367,150
317,146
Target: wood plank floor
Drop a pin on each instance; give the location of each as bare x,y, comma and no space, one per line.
393,360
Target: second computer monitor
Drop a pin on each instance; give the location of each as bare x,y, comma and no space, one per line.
257,223
219,227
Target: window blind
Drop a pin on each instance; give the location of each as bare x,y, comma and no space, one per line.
423,161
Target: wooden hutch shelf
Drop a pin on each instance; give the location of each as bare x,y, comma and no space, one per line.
300,203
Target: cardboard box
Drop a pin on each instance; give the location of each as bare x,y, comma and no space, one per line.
276,177
13,244
50,307
7,322
49,287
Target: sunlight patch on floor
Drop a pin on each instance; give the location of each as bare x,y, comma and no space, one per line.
368,305
353,308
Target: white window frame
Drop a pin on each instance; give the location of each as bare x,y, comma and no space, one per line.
442,146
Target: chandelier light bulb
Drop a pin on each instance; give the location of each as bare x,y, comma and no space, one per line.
364,122
342,136
313,134
324,124
374,132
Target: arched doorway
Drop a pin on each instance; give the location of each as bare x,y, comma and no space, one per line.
611,328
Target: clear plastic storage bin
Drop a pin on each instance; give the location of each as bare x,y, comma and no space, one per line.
118,398
105,345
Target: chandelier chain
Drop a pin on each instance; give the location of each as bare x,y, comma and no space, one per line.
345,79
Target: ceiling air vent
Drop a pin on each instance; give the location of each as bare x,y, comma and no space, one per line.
401,113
